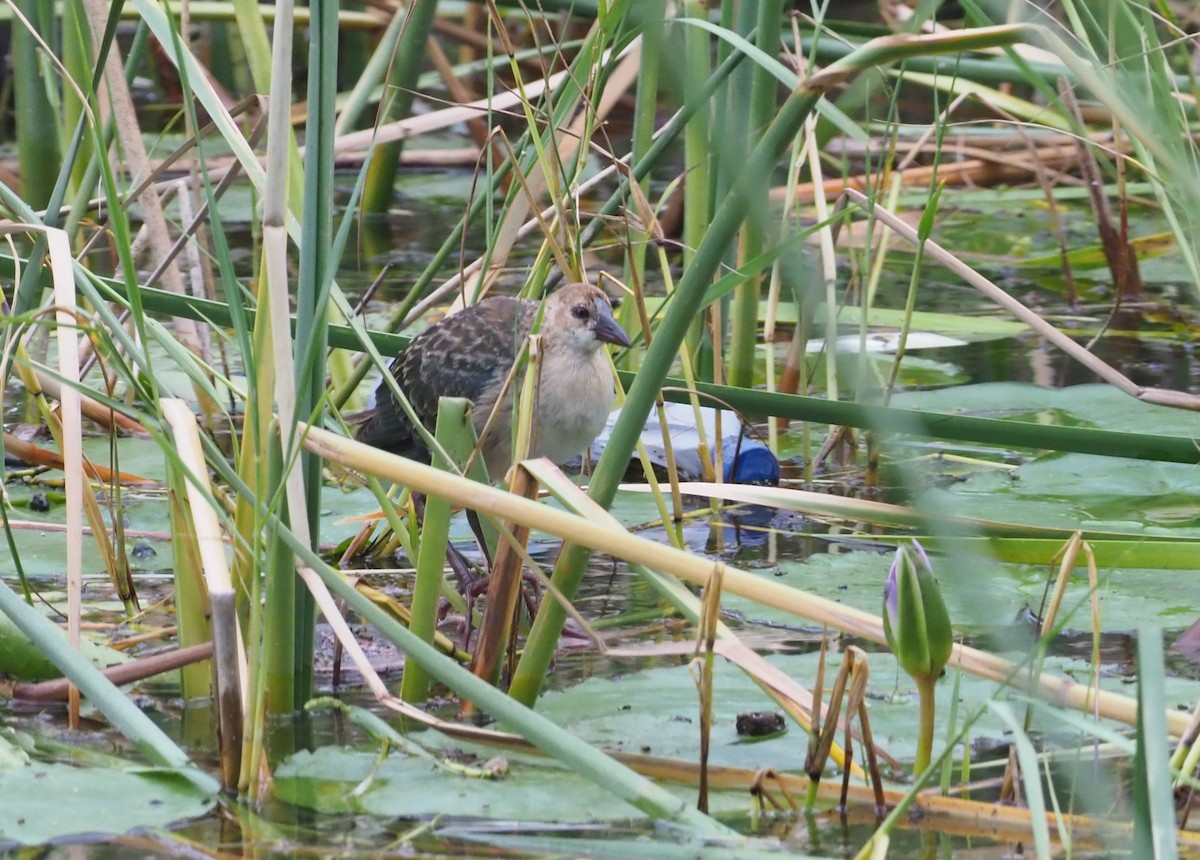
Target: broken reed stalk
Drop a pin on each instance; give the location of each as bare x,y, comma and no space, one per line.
229,656
504,589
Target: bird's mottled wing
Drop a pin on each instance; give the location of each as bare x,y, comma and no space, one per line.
464,355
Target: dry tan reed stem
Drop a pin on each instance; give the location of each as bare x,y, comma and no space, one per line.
71,418
506,506
229,657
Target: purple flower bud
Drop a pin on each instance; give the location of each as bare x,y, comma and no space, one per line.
915,621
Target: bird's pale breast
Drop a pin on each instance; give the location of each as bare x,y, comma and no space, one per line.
575,395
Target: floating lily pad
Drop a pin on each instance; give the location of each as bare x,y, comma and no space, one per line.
332,779
20,659
657,708
1089,405
43,802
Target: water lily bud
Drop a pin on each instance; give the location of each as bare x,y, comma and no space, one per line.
915,620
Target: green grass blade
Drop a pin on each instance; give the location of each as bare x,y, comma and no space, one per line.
1153,798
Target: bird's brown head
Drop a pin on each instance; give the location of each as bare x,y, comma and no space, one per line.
580,316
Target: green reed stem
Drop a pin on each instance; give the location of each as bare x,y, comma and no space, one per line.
456,433
401,85
568,572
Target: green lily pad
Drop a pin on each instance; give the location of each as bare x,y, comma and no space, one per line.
43,802
20,659
1088,405
337,780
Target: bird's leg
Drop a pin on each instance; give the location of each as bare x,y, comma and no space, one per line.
470,583
531,595
529,588
468,579
481,584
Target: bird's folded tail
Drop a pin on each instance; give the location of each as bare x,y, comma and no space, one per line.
384,427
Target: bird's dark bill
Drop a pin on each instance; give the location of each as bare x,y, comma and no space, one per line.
607,330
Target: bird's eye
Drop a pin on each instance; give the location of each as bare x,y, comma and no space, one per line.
580,312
